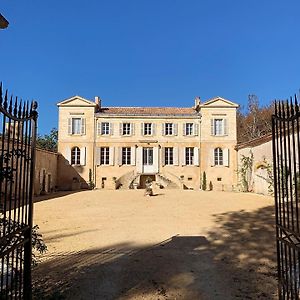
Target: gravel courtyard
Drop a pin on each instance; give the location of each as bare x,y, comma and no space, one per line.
175,245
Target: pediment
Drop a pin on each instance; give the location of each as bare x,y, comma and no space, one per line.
76,101
219,102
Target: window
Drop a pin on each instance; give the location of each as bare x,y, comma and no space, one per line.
126,129
148,129
76,125
169,129
169,156
104,156
218,157
104,128
189,128
218,125
189,155
75,156
126,155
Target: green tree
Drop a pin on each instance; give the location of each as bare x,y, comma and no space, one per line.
48,141
204,184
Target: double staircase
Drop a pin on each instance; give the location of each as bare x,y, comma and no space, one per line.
131,180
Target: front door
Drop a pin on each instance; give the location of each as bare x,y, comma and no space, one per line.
148,160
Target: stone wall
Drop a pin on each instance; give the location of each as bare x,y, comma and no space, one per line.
45,172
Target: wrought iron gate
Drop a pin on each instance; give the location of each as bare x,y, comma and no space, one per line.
17,159
286,160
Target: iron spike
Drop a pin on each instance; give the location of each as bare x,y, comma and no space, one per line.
296,104
16,107
10,104
5,100
287,108
292,106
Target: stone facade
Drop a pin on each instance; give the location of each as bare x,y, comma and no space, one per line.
261,150
45,172
119,147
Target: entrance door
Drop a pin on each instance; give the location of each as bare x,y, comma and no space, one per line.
148,160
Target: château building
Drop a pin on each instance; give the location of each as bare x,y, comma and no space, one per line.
119,147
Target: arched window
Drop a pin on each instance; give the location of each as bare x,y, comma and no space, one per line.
218,157
75,156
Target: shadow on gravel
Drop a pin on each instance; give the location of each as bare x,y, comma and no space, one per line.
234,261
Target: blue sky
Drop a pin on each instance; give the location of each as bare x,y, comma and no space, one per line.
149,53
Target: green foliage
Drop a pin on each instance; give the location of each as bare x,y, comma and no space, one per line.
48,141
245,172
210,186
204,184
270,177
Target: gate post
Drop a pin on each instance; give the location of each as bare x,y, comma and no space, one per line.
28,236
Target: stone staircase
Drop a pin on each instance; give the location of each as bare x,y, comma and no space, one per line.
164,181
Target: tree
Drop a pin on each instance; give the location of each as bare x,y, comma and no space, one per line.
204,182
48,141
256,121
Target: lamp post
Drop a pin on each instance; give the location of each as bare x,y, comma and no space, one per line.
3,22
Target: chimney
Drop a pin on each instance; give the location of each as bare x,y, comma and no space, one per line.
98,101
197,103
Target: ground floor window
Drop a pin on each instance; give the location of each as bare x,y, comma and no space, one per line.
75,156
126,155
189,155
169,156
104,155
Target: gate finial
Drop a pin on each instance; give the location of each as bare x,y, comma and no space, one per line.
296,104
287,108
292,106
16,107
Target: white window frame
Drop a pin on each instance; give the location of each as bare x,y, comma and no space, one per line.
126,128
189,129
189,156
73,127
105,128
218,157
75,156
148,127
104,156
126,155
169,156
169,128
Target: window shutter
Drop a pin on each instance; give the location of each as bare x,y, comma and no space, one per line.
70,126
142,129
212,129
131,128
98,128
184,129
120,156
225,127
163,158
183,156
98,156
163,129
226,157
111,156
212,157
82,125
132,158
196,129
153,129
139,159
155,159
82,156
111,128
196,156
121,129
175,156
175,128
68,155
